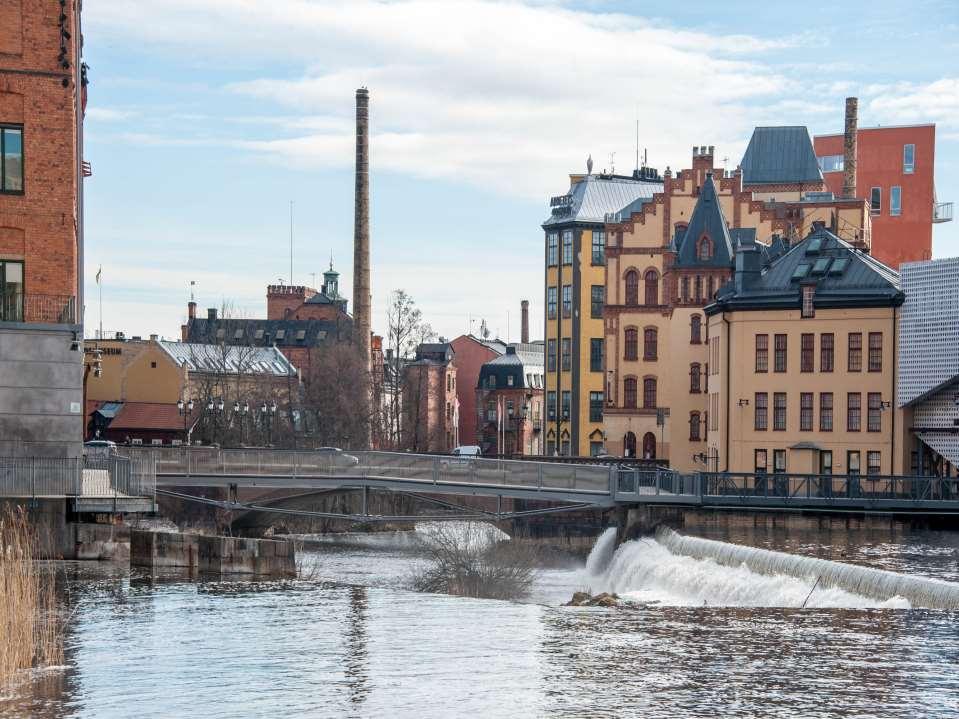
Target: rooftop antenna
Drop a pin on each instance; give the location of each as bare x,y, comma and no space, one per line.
313,275
192,285
612,166
637,138
291,242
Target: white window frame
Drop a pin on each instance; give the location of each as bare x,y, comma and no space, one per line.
895,201
831,163
908,168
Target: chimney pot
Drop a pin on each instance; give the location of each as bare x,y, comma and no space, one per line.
711,148
191,310
524,327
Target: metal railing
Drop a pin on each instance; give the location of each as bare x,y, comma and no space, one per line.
942,212
40,309
79,477
427,469
867,487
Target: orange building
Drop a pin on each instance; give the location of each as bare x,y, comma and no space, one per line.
894,171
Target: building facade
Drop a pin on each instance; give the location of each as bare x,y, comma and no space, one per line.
509,402
42,97
802,363
430,408
471,354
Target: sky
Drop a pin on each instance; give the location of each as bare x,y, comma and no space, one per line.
207,118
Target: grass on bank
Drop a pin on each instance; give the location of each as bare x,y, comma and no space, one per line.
30,632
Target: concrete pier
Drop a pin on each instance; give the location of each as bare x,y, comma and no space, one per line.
215,555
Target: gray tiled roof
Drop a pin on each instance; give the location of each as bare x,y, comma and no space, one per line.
707,220
780,155
285,333
596,196
229,359
525,367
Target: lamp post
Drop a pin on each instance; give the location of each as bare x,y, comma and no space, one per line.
267,414
215,407
241,412
185,409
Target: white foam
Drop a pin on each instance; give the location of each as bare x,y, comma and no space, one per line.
602,552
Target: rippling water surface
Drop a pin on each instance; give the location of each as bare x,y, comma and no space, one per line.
351,641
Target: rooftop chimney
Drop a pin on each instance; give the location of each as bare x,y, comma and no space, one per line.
191,310
849,147
211,313
524,324
361,232
748,269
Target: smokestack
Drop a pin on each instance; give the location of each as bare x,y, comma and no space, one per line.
191,310
361,231
849,147
524,324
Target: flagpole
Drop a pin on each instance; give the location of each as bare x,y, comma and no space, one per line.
100,293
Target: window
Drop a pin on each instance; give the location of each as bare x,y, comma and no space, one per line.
649,343
805,412
551,448
825,461
831,163
509,380
649,393
698,285
694,378
779,356
807,352
685,290
629,392
875,201
595,406
631,344
695,330
873,463
599,247
761,412
597,297
596,354
11,158
874,416
779,461
551,249
760,461
632,288
564,447
712,288
875,351
550,355
779,411
855,351
11,291
551,303
596,448
808,304
694,427
895,201
852,462
567,300
566,346
853,411
551,405
762,353
908,159
566,400
491,381
826,351
567,247
652,287
825,411
705,249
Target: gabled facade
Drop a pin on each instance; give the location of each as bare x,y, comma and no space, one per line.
509,401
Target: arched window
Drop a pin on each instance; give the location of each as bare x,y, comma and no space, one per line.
705,248
649,446
649,393
629,445
652,287
629,392
696,330
695,376
632,288
694,427
631,344
649,343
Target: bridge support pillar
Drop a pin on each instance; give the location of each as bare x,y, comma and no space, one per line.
643,519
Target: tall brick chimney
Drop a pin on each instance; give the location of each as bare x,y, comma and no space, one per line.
849,147
191,310
524,324
361,230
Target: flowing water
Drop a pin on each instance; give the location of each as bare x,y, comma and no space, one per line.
715,630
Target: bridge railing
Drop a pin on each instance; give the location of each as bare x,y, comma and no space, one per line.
94,476
656,484
427,469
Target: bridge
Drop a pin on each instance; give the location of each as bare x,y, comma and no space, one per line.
567,486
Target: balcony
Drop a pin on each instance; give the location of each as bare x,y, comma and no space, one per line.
39,309
942,212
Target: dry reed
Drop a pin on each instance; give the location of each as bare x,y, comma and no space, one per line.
31,634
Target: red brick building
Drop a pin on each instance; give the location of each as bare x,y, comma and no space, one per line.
471,353
430,408
509,395
894,172
41,113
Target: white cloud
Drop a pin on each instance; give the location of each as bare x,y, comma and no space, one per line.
905,102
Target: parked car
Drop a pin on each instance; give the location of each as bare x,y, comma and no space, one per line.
337,456
99,448
462,457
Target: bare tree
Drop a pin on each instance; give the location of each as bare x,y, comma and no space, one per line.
336,413
406,330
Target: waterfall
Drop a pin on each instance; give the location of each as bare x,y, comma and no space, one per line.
602,552
876,584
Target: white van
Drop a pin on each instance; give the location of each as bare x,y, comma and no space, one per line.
464,457
467,450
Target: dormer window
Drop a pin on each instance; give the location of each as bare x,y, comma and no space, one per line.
704,250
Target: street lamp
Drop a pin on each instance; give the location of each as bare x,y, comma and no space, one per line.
267,414
185,409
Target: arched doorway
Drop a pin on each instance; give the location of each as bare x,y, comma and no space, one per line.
649,446
629,445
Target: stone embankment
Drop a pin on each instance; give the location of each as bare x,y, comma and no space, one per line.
216,555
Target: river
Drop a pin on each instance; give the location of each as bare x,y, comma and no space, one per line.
350,641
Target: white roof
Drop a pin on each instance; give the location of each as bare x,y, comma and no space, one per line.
229,359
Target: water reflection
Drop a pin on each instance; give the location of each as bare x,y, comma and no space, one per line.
355,664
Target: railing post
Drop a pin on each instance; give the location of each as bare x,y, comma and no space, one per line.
540,472
435,465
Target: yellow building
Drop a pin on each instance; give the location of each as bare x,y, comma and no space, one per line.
575,254
802,364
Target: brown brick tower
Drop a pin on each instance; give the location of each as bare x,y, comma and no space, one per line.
361,226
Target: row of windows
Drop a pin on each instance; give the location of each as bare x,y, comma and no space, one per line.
827,344
630,388
853,461
837,163
895,201
806,412
551,302
595,405
566,361
598,254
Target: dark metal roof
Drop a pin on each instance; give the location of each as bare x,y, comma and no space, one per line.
842,275
525,367
780,155
707,220
259,332
435,352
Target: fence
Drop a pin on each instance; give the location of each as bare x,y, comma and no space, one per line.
43,309
80,477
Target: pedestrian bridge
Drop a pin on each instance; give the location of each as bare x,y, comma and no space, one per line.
578,485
